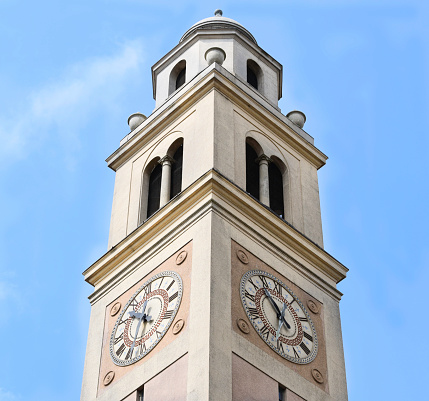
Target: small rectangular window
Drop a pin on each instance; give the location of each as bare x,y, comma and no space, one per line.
140,394
282,393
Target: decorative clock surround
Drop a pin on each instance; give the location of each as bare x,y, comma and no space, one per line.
312,357
176,271
278,316
146,318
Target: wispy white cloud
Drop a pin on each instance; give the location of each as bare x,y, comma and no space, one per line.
7,395
66,103
7,291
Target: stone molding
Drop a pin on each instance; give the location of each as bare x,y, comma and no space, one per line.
214,193
215,77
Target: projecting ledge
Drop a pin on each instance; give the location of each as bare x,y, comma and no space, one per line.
213,192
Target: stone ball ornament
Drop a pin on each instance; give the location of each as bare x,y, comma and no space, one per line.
135,119
297,117
215,55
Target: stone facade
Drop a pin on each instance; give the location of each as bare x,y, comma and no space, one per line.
214,114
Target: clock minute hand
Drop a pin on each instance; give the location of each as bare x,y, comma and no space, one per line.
283,316
279,314
281,321
141,317
267,293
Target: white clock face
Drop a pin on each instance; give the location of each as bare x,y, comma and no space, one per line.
145,318
278,316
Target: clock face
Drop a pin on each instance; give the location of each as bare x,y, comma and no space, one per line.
145,318
278,316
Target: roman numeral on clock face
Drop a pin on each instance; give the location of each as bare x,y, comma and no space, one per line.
252,282
295,353
168,314
264,281
280,346
249,295
265,332
119,338
303,319
173,297
308,337
147,289
169,286
253,312
142,348
304,348
129,354
120,350
278,288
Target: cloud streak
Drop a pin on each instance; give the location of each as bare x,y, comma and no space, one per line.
63,105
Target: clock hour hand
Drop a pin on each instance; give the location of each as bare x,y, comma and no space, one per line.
147,317
136,314
279,314
281,321
141,316
274,305
283,316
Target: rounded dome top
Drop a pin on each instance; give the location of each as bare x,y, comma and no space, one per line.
218,22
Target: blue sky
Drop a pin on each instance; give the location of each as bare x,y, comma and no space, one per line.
72,72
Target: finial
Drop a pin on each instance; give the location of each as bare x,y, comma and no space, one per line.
218,13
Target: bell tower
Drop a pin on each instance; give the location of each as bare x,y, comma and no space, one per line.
215,285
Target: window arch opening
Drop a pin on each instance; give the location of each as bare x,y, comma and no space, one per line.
176,172
252,171
276,189
154,190
180,80
254,74
177,77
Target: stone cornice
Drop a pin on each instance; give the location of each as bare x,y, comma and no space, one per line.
217,78
214,193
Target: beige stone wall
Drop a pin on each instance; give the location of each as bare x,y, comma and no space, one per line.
237,50
212,216
214,132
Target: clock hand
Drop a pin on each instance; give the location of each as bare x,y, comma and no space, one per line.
283,316
267,293
281,321
146,316
135,314
279,314
141,317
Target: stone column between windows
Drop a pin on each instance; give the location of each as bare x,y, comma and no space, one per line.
264,184
166,163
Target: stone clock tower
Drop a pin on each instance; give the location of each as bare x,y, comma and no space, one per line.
215,285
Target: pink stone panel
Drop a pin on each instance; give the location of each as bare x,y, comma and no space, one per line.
290,396
170,384
250,384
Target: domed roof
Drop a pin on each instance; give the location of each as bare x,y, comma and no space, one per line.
218,22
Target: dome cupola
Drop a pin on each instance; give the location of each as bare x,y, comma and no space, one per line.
227,43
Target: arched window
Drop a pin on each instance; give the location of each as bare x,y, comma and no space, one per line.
252,171
267,179
180,80
177,77
276,189
154,190
176,172
162,180
254,74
